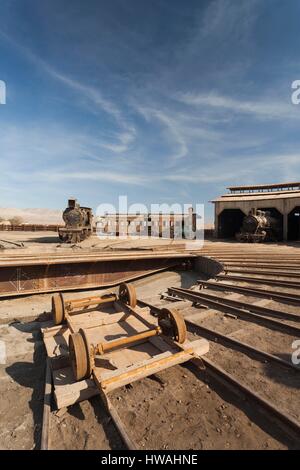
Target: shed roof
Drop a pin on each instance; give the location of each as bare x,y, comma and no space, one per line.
266,187
258,196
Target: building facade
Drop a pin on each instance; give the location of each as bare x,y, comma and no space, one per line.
156,225
281,200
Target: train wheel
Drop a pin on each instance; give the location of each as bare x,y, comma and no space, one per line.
172,324
58,309
80,355
127,294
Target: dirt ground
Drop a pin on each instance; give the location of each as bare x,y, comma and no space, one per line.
179,408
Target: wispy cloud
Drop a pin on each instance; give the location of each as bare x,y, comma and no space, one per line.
268,108
169,108
98,176
251,167
123,137
175,135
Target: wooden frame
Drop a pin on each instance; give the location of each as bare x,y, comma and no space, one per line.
115,368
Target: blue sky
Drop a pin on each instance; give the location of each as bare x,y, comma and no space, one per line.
164,101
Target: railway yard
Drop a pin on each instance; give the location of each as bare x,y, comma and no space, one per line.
243,393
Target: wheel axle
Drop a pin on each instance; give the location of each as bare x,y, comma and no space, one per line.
61,308
82,354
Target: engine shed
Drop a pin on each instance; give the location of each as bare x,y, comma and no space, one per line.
281,200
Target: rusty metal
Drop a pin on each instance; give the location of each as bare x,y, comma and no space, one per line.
61,309
33,274
283,418
58,309
261,271
247,306
172,323
275,412
267,294
78,223
219,337
82,354
127,294
259,226
286,268
241,310
102,348
260,281
87,302
216,336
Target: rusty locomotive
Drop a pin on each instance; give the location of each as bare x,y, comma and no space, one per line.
259,226
78,223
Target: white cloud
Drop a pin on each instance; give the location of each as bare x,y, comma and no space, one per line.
101,176
251,167
122,137
269,109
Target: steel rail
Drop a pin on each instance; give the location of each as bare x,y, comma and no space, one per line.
101,257
291,259
216,303
276,266
265,311
282,259
217,372
270,294
45,443
281,416
226,339
262,272
244,346
259,280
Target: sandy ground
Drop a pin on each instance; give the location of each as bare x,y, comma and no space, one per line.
177,408
49,242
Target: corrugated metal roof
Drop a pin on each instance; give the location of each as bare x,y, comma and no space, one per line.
266,186
257,196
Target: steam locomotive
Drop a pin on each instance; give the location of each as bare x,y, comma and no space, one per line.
78,223
259,226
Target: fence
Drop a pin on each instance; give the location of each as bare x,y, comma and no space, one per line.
29,228
208,233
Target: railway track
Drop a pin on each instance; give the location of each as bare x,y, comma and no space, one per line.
271,318
219,337
259,280
268,294
274,272
284,420
253,313
47,416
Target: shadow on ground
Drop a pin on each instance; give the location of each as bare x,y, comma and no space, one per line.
251,409
32,375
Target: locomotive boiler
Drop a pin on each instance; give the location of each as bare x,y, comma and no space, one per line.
78,223
259,226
